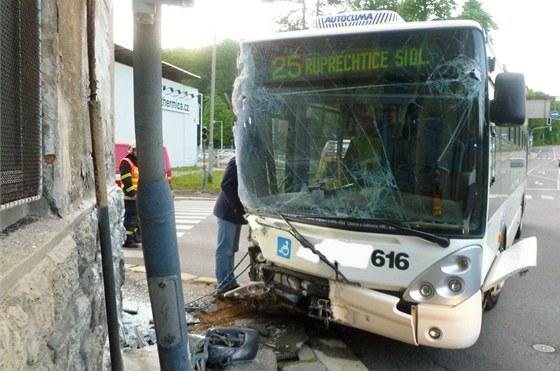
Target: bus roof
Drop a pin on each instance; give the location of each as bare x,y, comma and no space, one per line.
352,30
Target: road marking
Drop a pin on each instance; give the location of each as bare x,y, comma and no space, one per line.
183,227
187,221
187,215
543,197
135,252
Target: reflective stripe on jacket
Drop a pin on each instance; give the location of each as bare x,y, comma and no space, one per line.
129,181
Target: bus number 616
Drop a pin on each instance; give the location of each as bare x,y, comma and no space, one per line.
393,260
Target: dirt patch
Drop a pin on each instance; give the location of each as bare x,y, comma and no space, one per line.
223,313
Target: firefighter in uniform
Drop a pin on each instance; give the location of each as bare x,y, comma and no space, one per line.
129,183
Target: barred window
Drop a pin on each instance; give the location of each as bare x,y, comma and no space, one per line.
20,102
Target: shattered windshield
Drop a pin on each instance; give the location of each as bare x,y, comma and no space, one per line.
363,126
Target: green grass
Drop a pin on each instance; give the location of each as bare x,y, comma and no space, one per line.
190,179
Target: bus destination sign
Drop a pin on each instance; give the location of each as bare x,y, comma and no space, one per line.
299,66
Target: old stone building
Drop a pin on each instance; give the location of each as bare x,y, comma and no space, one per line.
55,110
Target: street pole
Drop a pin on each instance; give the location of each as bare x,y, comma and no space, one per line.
221,142
201,116
154,199
203,165
212,96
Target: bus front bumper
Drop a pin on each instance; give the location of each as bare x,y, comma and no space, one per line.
430,325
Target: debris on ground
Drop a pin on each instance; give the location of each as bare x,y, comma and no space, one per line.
284,336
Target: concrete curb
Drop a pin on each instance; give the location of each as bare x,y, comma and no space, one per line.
185,277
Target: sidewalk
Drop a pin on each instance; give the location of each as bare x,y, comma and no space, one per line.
284,343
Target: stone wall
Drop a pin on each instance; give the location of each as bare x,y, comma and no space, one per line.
52,304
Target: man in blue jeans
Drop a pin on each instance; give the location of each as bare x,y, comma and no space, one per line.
230,213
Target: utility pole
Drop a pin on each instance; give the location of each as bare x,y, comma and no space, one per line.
212,97
155,200
200,116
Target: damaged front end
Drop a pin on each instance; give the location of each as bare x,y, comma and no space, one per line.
383,312
289,291
286,290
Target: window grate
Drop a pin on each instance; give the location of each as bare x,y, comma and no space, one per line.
20,102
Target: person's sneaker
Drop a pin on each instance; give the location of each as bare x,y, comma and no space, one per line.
228,288
221,294
130,242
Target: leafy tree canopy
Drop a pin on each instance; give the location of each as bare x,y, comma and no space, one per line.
298,12
425,10
199,62
473,10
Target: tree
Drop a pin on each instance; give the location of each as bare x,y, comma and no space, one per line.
298,12
426,10
199,62
409,10
472,9
373,4
536,94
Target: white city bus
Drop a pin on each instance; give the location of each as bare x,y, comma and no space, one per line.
382,165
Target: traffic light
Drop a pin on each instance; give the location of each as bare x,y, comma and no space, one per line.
548,121
204,133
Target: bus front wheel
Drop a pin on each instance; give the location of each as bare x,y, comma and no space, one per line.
520,228
492,296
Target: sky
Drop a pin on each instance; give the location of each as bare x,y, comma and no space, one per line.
526,40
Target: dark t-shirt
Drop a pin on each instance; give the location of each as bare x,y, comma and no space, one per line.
228,205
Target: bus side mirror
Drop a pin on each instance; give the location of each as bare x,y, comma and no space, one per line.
508,106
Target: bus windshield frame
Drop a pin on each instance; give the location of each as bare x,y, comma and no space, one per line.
369,126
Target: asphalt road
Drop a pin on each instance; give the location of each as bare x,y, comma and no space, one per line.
196,236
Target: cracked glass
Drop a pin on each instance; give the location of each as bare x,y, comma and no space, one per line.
364,126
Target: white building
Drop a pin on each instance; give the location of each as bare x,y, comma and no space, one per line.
179,103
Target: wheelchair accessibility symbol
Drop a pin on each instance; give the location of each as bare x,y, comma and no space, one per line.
284,248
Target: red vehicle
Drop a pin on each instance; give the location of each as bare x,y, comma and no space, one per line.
121,150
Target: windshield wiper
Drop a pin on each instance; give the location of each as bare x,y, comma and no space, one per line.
441,241
305,243
349,221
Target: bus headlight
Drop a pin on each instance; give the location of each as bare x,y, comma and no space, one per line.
455,285
426,290
450,281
